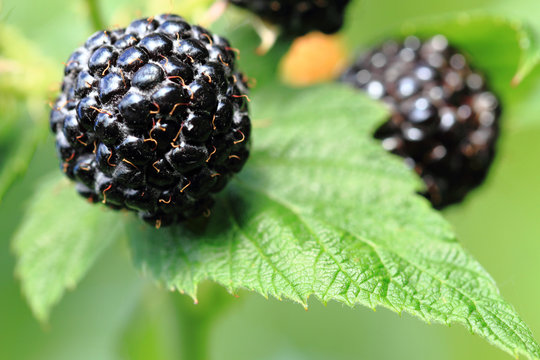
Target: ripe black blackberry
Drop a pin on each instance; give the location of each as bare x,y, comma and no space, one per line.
298,17
152,118
444,122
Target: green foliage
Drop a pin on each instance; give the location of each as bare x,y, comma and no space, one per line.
475,18
76,233
347,228
526,11
502,39
24,81
320,210
506,65
15,151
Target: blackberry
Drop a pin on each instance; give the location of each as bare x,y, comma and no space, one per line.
152,118
298,17
445,120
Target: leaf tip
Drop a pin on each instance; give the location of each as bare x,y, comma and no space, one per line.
44,323
516,80
193,295
41,313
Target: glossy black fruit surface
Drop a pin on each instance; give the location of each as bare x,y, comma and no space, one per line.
150,117
298,17
445,120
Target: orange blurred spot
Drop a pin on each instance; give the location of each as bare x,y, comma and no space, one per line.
313,58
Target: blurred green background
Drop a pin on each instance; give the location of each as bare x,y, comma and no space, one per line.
115,313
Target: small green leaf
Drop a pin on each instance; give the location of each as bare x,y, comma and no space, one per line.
25,81
477,18
474,34
19,137
60,238
322,210
368,20
525,13
15,159
510,62
25,71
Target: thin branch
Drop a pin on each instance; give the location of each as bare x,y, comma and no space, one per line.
95,15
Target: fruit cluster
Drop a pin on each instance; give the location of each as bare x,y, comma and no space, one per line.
298,17
152,118
444,122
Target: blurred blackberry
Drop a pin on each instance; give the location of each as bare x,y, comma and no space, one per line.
152,118
298,17
445,120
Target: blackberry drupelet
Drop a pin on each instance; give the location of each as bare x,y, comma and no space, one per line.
298,17
445,120
152,118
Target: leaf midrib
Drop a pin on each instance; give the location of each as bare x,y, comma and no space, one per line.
324,249
262,160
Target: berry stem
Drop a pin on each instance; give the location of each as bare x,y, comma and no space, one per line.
214,13
95,14
268,33
195,342
195,320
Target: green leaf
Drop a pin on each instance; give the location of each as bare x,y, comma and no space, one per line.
509,63
321,210
60,238
15,160
19,137
25,80
25,71
526,12
369,21
474,35
508,59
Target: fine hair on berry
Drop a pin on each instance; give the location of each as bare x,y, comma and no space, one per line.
445,119
153,118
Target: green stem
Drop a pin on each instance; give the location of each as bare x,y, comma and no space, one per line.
95,15
195,342
195,321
